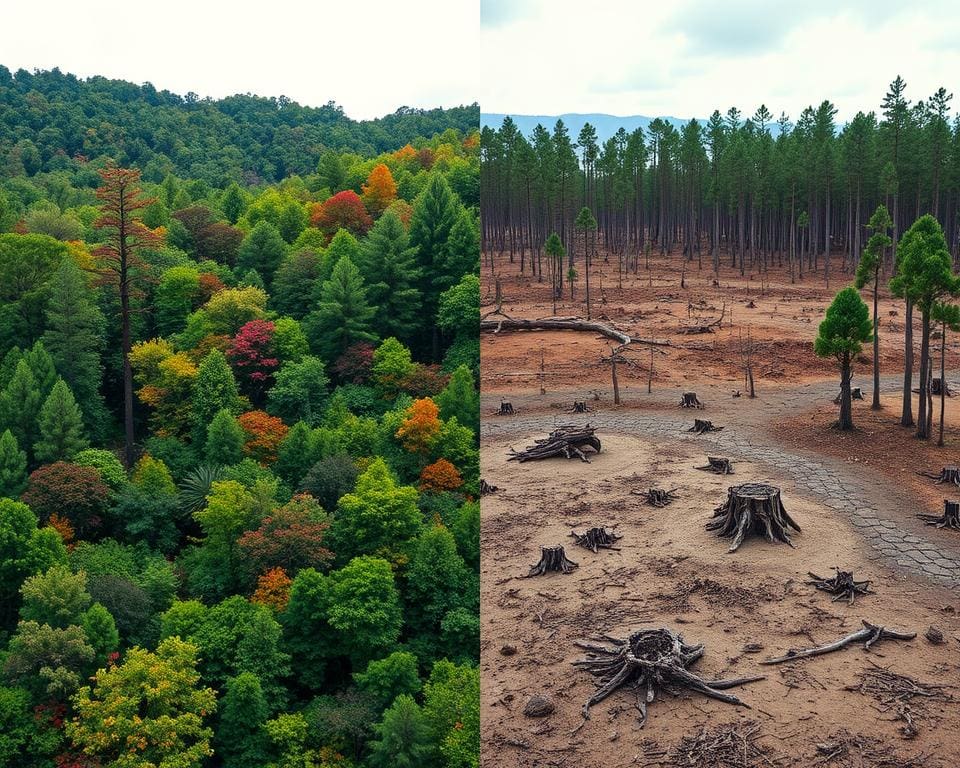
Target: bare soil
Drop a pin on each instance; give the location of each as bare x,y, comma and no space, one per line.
669,571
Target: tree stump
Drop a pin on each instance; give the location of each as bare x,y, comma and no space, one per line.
505,409
486,488
597,538
718,465
552,559
566,441
856,393
702,425
690,400
950,517
949,474
841,586
752,508
938,383
647,662
580,406
657,497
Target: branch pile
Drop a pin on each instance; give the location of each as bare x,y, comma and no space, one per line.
566,441
729,746
657,497
597,538
841,586
648,661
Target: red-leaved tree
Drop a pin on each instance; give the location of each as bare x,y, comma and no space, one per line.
252,357
344,210
291,537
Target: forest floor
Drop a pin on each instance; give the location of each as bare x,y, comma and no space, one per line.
854,495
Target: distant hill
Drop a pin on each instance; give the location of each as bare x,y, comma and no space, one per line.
606,125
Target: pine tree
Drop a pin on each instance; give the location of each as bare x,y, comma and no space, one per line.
388,264
343,316
461,399
841,335
225,440
13,466
233,203
43,368
403,738
74,338
240,740
214,388
261,250
20,405
61,426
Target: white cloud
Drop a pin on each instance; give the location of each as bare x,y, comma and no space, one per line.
370,56
686,59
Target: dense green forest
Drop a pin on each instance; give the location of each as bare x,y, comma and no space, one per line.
238,432
748,191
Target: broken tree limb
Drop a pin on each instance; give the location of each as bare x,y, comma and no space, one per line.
842,585
752,508
566,441
870,634
568,324
552,559
647,661
597,538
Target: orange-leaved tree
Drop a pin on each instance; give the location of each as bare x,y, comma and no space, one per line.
380,189
420,427
440,476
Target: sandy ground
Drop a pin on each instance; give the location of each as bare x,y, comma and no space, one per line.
670,571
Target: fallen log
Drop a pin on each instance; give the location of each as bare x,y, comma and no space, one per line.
870,634
566,441
842,585
552,559
597,538
568,324
647,661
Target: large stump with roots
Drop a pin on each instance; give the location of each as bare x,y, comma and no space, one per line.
938,384
580,406
949,474
596,538
950,517
657,497
702,425
552,559
648,662
690,400
855,394
752,508
842,585
719,465
505,409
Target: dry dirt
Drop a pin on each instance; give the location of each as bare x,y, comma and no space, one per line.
671,572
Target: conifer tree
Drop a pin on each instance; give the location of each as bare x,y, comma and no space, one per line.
13,466
841,335
225,439
214,389
20,406
343,316
61,426
388,264
261,250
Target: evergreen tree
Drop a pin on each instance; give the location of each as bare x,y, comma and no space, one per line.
461,399
233,203
343,316
20,406
75,340
13,466
261,250
240,740
225,439
43,368
388,264
841,335
403,738
868,271
294,283
61,426
214,389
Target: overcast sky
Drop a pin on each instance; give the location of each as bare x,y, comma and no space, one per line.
370,56
688,57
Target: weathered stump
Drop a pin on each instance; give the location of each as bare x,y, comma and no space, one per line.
719,465
950,517
506,409
566,441
702,425
647,662
937,384
841,586
855,394
552,559
486,488
580,406
596,538
657,497
752,508
690,400
949,474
